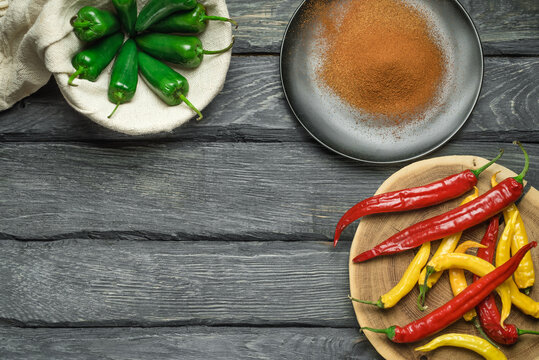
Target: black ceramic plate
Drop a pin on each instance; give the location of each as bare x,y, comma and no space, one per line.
335,124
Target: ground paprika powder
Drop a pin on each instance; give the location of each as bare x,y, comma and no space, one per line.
380,56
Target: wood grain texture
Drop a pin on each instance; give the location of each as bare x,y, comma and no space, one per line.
141,283
188,343
505,27
222,225
192,191
367,282
252,108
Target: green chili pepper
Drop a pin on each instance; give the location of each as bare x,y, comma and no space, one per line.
124,77
156,10
191,22
91,24
169,85
90,62
127,11
184,50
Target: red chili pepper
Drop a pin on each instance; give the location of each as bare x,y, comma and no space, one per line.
488,315
487,311
413,198
447,314
453,221
489,240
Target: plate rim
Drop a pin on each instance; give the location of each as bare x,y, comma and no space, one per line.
414,157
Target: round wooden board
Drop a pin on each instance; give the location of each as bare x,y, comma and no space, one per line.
373,278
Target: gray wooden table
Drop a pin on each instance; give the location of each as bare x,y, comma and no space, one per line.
213,241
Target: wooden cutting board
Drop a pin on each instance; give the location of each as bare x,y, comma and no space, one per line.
375,277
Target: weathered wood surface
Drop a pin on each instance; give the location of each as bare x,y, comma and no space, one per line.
505,27
252,108
155,283
189,191
188,343
219,230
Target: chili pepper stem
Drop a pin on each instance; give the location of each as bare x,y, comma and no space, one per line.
210,52
378,303
421,298
475,322
219,18
527,290
476,172
188,103
74,76
520,176
423,289
390,331
113,111
522,332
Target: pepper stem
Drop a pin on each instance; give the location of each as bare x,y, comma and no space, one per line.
481,332
113,111
209,52
476,172
527,290
378,303
82,24
188,103
520,176
522,332
219,18
390,331
74,76
424,288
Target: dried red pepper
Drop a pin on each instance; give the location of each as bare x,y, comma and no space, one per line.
453,221
447,314
487,311
413,198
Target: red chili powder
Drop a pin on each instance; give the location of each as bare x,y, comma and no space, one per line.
380,57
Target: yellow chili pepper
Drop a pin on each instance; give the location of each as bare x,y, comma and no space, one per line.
457,279
525,273
447,245
471,342
478,267
503,250
406,283
522,301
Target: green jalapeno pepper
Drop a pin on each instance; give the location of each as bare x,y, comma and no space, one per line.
91,23
186,51
90,62
169,85
127,12
124,77
156,10
190,22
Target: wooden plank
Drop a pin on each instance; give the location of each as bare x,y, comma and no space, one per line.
186,343
505,27
185,190
155,283
252,108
